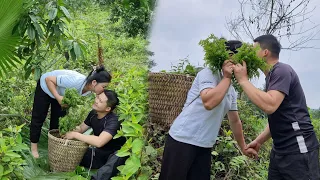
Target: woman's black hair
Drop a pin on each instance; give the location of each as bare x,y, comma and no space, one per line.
233,45
100,75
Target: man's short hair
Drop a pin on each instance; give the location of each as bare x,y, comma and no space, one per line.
269,42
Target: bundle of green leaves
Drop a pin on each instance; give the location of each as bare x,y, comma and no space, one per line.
76,111
216,53
72,98
76,115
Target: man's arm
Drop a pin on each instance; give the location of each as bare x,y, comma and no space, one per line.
82,128
51,82
97,141
212,97
269,101
262,138
236,127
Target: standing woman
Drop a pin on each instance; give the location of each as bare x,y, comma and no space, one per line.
50,91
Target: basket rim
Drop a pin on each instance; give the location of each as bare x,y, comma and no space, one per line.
166,73
50,136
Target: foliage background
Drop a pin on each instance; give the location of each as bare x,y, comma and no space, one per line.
123,27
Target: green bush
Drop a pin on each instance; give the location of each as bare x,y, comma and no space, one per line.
11,147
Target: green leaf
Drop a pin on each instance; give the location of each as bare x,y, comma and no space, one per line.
33,18
151,151
77,49
1,171
127,129
83,47
134,119
123,153
131,135
6,159
214,153
65,12
28,72
53,13
39,30
137,146
8,171
137,127
37,74
19,138
20,147
117,178
131,166
77,177
10,13
31,32
73,55
143,177
12,154
18,128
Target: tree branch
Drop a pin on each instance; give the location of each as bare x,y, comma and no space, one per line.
271,11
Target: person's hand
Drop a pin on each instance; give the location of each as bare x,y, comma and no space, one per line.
254,145
70,135
240,72
227,69
59,99
251,153
77,129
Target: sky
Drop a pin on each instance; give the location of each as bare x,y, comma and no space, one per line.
179,25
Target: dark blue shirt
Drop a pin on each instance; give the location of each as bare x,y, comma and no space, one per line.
290,125
109,124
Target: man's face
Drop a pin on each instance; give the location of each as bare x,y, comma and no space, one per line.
261,53
100,103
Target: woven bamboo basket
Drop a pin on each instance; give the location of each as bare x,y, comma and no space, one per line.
64,155
167,95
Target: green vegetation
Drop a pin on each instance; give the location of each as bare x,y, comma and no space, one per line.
72,98
64,35
216,54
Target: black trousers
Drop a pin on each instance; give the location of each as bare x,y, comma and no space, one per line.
98,158
109,170
41,104
294,167
183,161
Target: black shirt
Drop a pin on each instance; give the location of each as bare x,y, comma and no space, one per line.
110,124
290,125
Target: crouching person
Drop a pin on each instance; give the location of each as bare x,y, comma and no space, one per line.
104,124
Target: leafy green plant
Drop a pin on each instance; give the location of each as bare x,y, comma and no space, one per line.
10,12
132,112
76,111
184,67
11,146
134,16
43,28
76,115
248,54
216,54
30,29
72,98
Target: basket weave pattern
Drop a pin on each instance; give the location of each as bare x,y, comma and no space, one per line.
167,95
64,155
